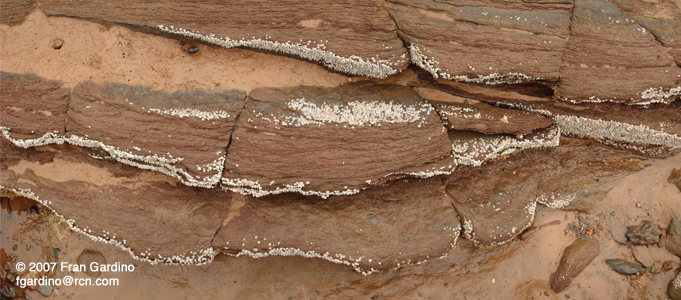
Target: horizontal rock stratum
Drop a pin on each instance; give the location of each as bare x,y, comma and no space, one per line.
467,116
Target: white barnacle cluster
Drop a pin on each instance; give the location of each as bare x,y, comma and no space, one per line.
474,151
617,131
192,113
200,257
556,200
162,164
447,111
217,165
677,281
339,259
649,96
249,187
429,64
356,113
353,65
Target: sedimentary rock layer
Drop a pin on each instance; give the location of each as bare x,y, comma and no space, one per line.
381,228
32,106
150,214
497,200
184,133
640,71
485,41
353,37
327,141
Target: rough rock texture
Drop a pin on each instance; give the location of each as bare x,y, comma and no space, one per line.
497,200
488,119
673,242
184,134
15,11
590,70
593,168
662,19
32,106
331,140
355,37
644,234
575,258
151,214
381,228
485,41
624,267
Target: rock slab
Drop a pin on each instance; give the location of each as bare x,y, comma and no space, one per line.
575,259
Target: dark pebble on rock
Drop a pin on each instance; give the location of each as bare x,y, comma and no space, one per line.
57,44
644,234
192,50
624,267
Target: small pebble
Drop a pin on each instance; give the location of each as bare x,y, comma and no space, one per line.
192,50
57,44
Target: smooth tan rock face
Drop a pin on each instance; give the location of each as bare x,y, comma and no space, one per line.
498,107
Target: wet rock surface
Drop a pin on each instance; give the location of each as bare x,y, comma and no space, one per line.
625,267
644,234
575,258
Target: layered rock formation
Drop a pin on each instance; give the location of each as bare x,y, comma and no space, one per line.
374,174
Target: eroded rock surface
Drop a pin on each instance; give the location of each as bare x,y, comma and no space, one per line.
331,140
32,106
183,134
575,259
354,37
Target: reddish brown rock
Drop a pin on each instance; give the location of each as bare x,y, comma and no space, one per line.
591,168
497,200
32,106
488,119
381,228
575,259
485,41
644,234
353,37
662,19
15,11
326,141
640,71
183,134
152,214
